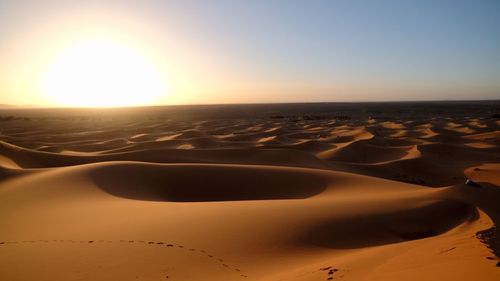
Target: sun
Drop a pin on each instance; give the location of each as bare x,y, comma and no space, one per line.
101,74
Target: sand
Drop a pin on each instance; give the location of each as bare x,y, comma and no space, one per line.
251,192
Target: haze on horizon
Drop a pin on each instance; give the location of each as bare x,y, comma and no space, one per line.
119,53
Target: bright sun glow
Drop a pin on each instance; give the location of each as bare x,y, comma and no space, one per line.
102,74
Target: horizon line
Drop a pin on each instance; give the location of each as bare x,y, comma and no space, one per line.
14,106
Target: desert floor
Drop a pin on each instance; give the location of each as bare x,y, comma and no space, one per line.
366,191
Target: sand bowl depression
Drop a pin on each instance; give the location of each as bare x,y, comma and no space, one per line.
198,182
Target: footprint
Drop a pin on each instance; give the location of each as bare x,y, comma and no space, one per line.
332,271
141,241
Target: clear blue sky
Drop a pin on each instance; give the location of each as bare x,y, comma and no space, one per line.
279,51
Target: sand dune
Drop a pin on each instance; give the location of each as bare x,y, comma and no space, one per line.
198,183
287,196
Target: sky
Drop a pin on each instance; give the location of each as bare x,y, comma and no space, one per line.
235,51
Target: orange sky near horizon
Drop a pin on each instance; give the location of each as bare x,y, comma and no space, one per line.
127,53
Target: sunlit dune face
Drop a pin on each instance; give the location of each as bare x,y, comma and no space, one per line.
100,74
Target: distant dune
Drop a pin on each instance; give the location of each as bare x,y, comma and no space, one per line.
369,191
